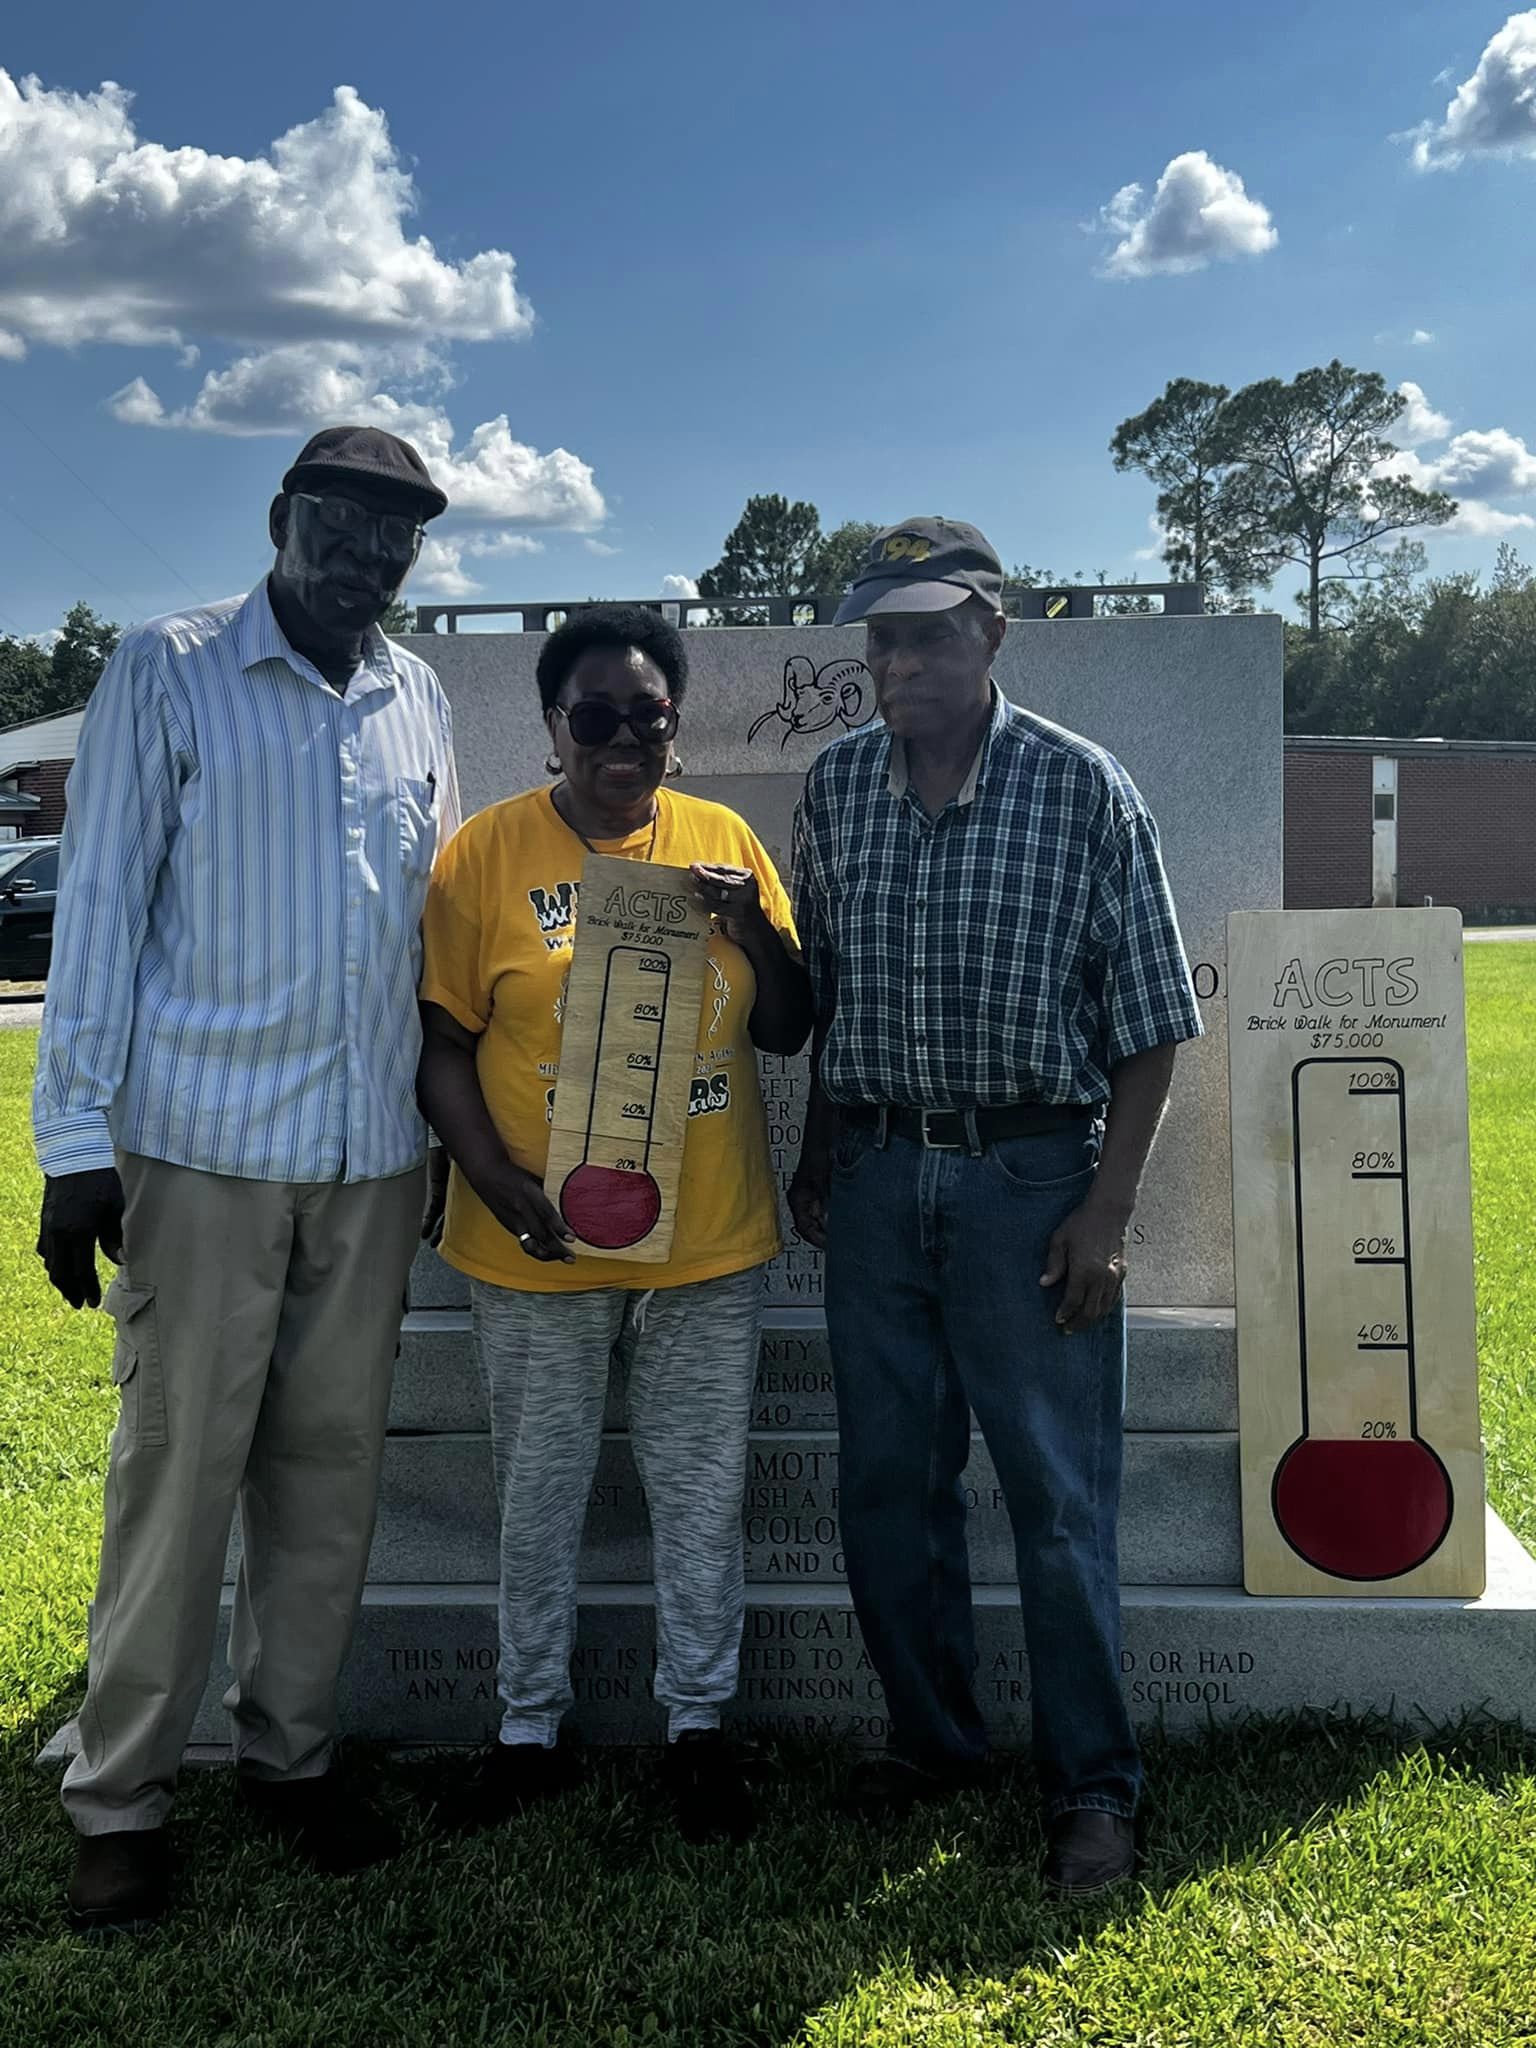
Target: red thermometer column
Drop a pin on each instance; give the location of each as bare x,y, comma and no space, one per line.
611,1199
1359,1495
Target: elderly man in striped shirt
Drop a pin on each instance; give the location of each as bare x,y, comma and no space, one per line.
1000,987
225,1104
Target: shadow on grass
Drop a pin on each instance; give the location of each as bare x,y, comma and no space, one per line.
589,1922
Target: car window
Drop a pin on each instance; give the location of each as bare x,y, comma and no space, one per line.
12,851
42,871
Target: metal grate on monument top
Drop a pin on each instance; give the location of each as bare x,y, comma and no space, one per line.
1020,601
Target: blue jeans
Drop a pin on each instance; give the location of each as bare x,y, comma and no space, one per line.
935,1309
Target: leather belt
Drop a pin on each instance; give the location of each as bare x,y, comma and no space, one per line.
968,1130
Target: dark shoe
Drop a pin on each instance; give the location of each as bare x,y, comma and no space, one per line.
1088,1851
121,1882
886,1788
503,1781
322,1822
710,1794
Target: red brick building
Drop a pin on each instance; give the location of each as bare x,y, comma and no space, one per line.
1462,814
35,760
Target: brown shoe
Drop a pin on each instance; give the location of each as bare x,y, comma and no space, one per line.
322,1822
1089,1851
121,1883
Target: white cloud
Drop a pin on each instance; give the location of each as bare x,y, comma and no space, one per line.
1421,338
1485,522
12,347
493,476
1198,214
108,237
137,406
298,257
1153,552
682,587
440,570
1474,467
599,547
1495,464
1493,113
292,390
289,390
1419,421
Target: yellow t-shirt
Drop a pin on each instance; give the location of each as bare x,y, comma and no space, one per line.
499,927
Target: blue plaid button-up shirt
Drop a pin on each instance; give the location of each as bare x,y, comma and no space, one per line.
1014,949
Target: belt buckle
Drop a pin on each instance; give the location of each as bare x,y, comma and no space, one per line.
939,1144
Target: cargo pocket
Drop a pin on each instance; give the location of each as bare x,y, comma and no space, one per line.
136,1361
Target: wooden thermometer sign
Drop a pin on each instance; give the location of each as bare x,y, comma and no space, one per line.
627,1056
1352,1223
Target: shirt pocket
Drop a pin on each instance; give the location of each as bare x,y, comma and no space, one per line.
416,814
136,1370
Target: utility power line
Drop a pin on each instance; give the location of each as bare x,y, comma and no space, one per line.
106,507
117,596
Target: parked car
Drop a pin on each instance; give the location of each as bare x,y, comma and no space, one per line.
29,889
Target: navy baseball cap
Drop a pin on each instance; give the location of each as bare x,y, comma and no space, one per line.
371,455
923,565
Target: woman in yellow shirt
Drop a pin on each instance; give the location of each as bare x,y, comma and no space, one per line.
500,922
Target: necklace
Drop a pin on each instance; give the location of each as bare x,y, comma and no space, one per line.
650,847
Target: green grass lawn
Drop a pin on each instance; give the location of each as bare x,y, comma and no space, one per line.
1314,1884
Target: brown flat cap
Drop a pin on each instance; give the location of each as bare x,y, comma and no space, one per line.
371,454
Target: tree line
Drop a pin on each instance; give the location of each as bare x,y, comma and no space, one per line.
39,681
1279,477
1413,656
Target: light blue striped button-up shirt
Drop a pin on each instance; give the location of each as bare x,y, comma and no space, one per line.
237,944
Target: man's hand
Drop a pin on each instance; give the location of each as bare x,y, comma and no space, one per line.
437,1197
80,1211
1088,1253
520,1205
808,1200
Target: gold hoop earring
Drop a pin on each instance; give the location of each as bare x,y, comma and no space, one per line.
674,764
551,764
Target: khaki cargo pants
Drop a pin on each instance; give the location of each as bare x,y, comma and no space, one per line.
257,1324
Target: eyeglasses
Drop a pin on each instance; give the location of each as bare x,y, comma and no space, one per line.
594,721
398,533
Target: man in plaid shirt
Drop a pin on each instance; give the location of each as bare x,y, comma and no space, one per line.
1000,986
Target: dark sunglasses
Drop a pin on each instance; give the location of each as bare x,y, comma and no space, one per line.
594,721
398,533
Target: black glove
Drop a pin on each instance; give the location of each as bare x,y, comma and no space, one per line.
80,1211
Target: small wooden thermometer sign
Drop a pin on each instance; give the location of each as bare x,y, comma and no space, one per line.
1352,1223
627,1056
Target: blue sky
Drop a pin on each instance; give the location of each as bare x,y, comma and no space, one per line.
839,250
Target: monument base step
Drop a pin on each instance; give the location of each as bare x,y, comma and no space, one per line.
423,1666
422,1670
